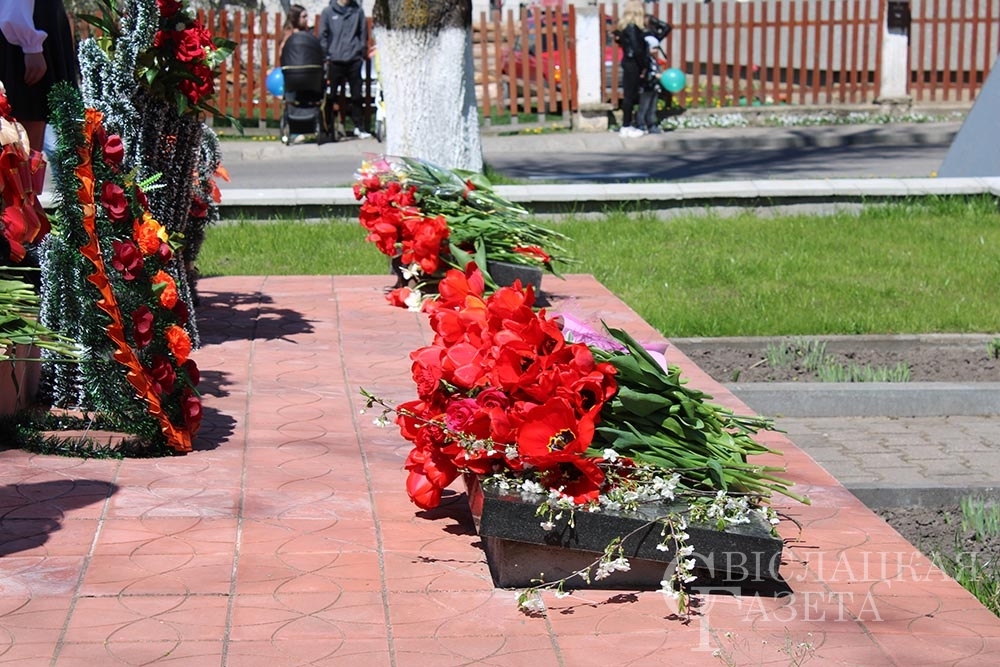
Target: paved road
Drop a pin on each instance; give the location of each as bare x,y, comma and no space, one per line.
903,150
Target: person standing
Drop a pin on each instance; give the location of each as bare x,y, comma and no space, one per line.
37,50
635,60
649,88
344,38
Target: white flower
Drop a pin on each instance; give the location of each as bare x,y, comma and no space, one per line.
547,525
531,486
414,301
410,272
667,588
530,601
610,455
606,567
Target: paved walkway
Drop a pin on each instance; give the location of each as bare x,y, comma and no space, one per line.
286,538
901,461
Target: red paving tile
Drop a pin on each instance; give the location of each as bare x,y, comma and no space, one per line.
286,538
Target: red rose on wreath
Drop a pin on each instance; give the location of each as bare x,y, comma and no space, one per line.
168,7
127,259
114,202
180,310
164,253
201,86
191,407
142,326
191,44
199,208
114,150
191,368
163,374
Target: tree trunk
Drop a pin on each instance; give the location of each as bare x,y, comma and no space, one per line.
426,74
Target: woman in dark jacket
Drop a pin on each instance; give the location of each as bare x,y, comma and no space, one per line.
635,60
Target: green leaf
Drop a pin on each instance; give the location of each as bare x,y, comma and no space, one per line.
641,403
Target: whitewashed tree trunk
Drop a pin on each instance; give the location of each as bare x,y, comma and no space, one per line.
427,76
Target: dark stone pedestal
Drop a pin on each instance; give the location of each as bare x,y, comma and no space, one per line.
504,274
520,552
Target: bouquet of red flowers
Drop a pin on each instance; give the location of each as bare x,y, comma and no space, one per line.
430,219
506,390
183,63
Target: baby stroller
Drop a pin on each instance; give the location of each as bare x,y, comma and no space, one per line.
305,88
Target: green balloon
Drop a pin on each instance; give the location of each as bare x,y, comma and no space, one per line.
673,80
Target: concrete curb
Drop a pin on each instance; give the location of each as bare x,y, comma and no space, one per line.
870,399
597,197
876,496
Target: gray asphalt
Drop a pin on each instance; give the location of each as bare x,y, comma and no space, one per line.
930,456
908,150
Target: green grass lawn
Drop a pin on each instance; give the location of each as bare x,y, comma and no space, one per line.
922,266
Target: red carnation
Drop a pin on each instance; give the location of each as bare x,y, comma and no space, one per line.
127,258
142,326
114,202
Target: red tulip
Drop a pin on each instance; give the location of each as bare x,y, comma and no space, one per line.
423,494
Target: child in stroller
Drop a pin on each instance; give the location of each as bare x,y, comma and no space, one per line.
304,97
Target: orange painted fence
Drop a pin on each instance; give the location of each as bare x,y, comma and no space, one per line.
761,52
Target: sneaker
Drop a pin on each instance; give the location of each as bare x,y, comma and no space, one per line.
631,132
298,138
361,134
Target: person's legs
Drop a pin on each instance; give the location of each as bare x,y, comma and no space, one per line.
647,109
354,82
630,89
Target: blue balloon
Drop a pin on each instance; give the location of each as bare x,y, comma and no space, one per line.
673,80
276,82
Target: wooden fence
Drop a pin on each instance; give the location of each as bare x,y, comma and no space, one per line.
762,52
777,52
953,44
